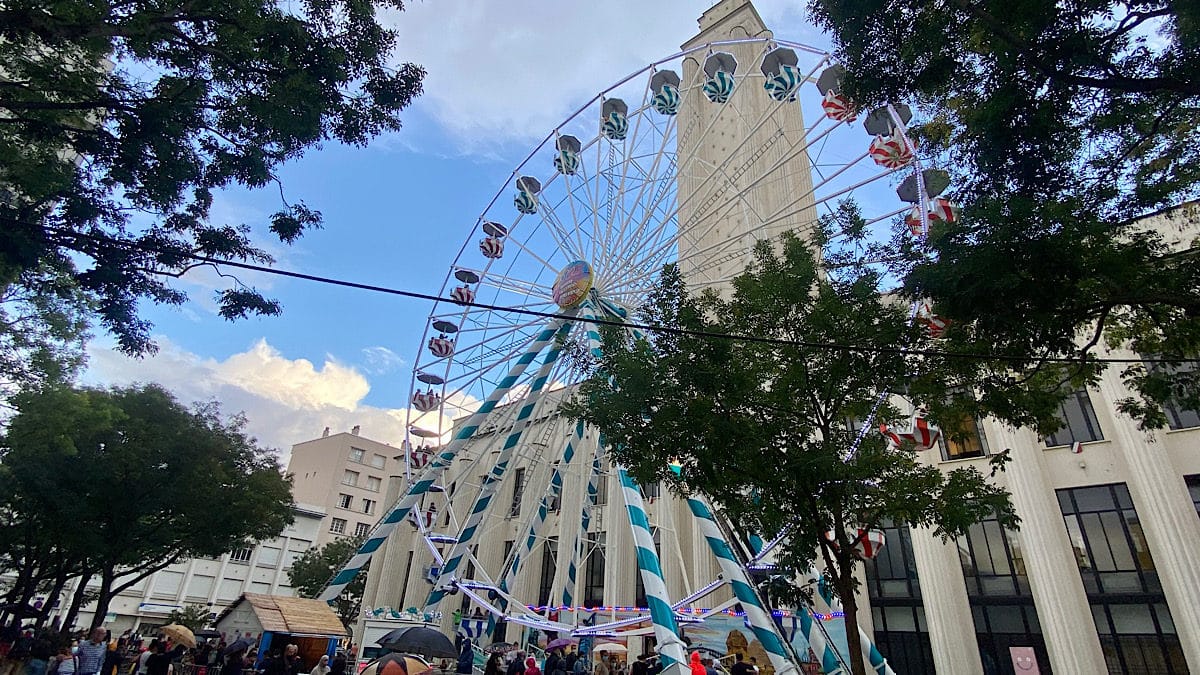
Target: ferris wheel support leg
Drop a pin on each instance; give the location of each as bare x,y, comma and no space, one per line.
585,521
433,471
534,529
871,654
666,631
758,615
491,484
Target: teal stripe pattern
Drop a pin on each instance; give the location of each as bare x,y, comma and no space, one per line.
554,491
585,521
666,630
615,126
719,88
759,617
433,471
875,660
491,484
666,101
782,86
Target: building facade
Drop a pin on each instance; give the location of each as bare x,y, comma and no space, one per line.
345,474
215,583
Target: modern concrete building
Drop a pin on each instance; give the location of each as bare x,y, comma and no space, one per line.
345,474
211,582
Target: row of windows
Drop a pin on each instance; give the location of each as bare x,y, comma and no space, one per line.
1129,609
366,506
338,526
373,483
359,455
963,439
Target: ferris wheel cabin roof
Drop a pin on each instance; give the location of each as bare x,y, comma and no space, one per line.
720,61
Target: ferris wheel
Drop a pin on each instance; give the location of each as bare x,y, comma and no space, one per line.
691,160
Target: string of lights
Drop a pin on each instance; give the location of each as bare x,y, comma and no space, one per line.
669,330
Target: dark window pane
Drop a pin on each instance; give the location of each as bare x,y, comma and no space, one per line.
1079,421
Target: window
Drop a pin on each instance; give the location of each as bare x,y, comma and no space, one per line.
268,556
338,526
356,454
998,591
241,555
345,501
601,489
350,478
593,580
1193,485
361,529
378,461
368,506
1136,631
1079,421
895,596
1179,415
373,483
652,490
514,508
549,565
962,439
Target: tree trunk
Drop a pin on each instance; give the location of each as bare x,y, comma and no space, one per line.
104,597
68,619
55,591
845,588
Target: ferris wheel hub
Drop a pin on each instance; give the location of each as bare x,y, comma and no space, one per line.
572,284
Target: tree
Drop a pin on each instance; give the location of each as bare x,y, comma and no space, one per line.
1061,125
122,483
120,121
195,617
43,329
315,567
763,429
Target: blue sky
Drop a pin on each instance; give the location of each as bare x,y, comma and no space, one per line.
501,75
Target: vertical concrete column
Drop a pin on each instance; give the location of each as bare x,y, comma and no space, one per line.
1050,562
1166,513
947,611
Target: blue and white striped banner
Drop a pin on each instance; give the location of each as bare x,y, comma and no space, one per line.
491,484
433,471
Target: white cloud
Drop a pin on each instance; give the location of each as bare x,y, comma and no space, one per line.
501,72
286,401
380,360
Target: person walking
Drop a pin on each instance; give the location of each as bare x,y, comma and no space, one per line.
92,652
322,667
517,665
158,663
492,667
338,665
531,667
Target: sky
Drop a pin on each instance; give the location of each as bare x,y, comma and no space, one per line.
500,77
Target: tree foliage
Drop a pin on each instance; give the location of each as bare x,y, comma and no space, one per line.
1061,124
315,567
195,617
120,121
118,484
763,428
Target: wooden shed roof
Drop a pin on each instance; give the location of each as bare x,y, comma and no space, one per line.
291,615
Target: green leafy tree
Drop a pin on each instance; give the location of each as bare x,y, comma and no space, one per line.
763,429
43,329
120,121
195,617
124,482
315,567
1061,124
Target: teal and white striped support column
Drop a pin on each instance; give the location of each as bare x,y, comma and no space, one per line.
533,532
875,660
433,471
491,484
585,521
761,621
666,632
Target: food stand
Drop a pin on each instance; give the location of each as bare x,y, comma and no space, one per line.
274,622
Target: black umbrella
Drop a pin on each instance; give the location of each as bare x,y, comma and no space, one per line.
419,640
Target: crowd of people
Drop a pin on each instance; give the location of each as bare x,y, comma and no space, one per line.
569,662
100,653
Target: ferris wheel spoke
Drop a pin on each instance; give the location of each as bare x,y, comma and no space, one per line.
664,186
492,483
561,233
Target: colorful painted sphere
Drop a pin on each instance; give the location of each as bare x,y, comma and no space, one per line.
572,284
